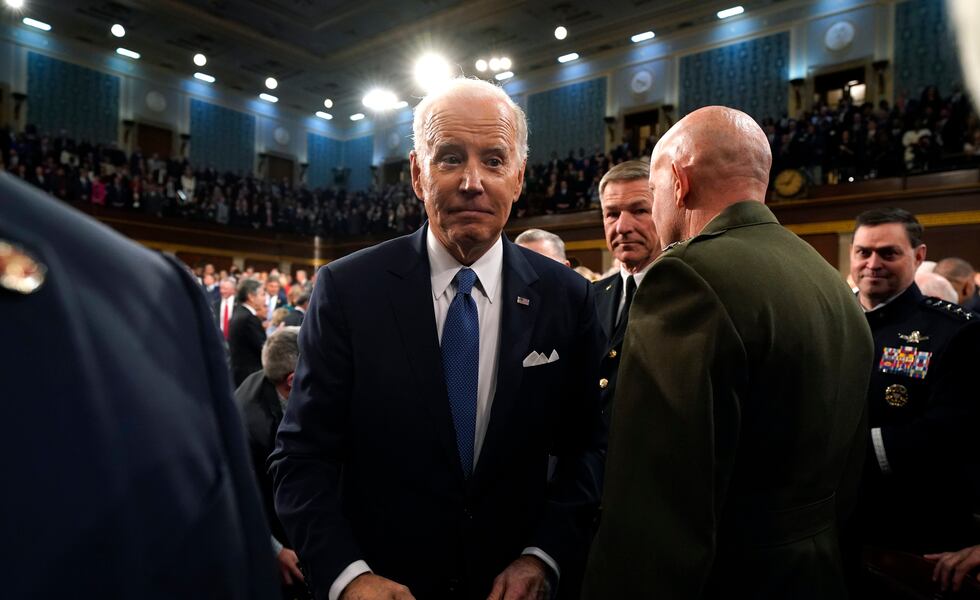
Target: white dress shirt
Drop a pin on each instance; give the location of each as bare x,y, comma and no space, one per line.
486,294
638,278
229,305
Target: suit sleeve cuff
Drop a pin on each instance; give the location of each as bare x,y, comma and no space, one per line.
538,552
276,546
879,445
353,570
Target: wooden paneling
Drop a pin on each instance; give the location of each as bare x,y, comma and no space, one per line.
154,140
826,244
588,258
279,168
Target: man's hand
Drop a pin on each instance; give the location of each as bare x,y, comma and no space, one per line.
289,567
955,565
524,579
369,586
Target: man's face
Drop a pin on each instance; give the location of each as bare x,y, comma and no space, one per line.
260,302
272,288
628,222
883,262
469,173
226,289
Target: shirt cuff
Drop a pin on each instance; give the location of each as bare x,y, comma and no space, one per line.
353,570
276,546
879,446
538,552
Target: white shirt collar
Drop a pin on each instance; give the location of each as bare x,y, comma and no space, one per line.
443,266
637,277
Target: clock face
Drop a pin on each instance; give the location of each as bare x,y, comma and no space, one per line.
281,136
839,36
642,81
789,183
393,140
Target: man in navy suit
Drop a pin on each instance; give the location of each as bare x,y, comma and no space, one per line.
627,219
125,467
437,373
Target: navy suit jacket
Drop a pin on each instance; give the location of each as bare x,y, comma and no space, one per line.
124,461
366,465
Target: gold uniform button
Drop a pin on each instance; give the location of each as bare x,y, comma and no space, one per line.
612,354
603,383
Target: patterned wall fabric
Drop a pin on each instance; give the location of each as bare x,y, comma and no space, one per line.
62,95
323,154
752,76
566,118
925,48
358,153
222,138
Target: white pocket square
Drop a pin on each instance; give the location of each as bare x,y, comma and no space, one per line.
535,359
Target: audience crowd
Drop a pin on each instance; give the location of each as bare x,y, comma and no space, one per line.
829,145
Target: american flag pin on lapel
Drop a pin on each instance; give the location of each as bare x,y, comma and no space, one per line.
523,300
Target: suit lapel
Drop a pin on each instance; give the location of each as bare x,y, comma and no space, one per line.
517,322
411,301
607,301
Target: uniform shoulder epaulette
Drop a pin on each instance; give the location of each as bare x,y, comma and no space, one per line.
953,310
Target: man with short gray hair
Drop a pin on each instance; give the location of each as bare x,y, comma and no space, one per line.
959,273
261,398
544,243
438,372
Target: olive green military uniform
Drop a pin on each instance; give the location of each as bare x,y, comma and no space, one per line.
738,423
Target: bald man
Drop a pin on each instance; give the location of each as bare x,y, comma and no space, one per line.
726,451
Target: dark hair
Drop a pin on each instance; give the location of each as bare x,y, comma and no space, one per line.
883,216
245,289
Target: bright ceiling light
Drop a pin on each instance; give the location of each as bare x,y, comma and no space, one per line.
481,65
431,70
15,3
271,83
357,116
400,105
642,37
37,24
128,53
204,77
494,64
560,33
118,30
730,12
505,63
564,58
324,115
379,99
268,97
200,60
328,103
504,75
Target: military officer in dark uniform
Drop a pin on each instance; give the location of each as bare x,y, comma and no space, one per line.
125,468
627,219
916,493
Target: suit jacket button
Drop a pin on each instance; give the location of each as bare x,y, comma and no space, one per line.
603,383
612,353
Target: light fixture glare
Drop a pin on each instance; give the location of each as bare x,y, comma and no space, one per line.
504,75
128,53
730,12
642,37
431,70
268,97
271,83
204,77
200,60
564,58
37,24
118,30
560,32
357,116
324,115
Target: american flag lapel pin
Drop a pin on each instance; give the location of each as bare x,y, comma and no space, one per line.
523,300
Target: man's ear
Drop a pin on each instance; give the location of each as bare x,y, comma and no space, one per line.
520,181
920,255
681,185
416,169
289,380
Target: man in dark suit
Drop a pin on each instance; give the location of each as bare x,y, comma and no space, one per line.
738,418
125,466
438,371
261,398
627,219
245,333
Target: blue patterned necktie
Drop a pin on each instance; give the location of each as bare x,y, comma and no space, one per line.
461,364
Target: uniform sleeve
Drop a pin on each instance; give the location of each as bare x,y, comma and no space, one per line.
675,424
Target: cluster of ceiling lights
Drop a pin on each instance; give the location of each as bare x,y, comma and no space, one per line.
431,70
